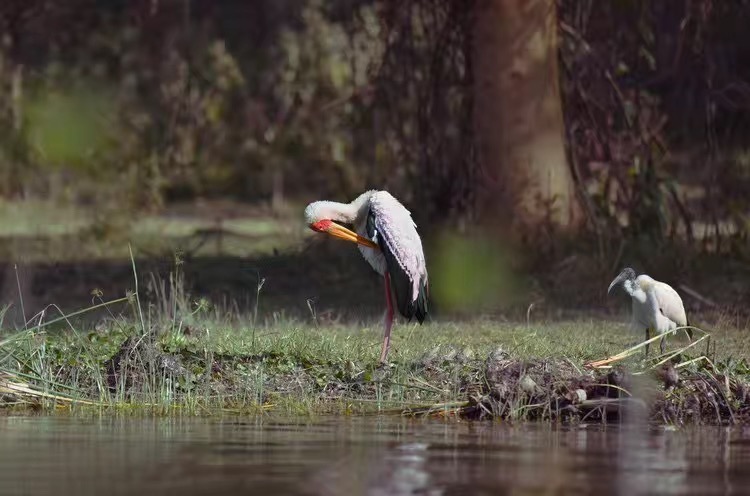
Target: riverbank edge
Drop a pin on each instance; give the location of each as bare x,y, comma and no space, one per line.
449,383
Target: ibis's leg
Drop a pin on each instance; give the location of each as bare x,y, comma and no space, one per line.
662,345
388,319
648,336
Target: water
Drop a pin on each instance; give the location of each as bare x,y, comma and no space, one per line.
372,456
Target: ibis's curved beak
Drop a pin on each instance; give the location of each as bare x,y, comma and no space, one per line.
621,277
341,232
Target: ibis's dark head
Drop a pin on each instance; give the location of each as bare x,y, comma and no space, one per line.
627,274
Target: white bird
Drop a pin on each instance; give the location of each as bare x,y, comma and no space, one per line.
656,305
388,240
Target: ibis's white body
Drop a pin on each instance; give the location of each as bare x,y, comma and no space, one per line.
656,306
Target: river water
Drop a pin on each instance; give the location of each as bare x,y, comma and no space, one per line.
368,456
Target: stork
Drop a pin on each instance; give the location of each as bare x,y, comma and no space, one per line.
656,305
387,237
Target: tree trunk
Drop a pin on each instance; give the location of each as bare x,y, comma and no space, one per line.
518,117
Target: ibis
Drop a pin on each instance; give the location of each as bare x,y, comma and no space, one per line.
656,305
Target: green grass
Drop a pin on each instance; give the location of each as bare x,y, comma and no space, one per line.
190,360
45,231
19,218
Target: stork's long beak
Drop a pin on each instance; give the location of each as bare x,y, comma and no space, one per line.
341,232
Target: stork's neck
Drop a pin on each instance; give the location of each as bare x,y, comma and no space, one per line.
339,212
347,213
361,204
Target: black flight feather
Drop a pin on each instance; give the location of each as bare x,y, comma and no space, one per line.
400,281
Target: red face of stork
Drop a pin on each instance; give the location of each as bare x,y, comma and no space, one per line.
331,228
318,216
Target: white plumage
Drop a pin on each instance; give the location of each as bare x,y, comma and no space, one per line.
655,305
394,226
387,238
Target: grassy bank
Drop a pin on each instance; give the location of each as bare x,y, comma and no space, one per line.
198,363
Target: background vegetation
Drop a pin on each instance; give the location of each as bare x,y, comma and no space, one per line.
201,128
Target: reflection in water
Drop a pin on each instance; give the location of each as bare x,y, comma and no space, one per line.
368,456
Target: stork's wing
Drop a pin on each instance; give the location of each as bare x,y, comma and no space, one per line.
670,303
390,224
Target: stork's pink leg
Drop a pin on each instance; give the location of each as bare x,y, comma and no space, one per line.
388,319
